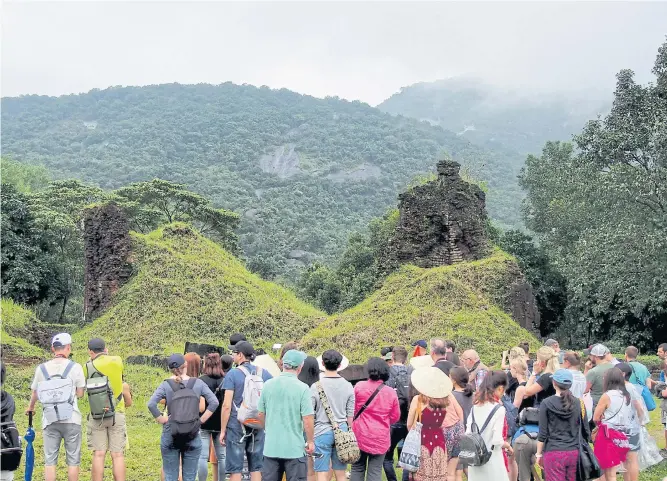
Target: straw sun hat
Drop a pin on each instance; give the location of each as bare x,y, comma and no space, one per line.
431,382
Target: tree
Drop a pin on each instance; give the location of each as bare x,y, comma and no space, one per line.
158,202
26,257
601,214
24,177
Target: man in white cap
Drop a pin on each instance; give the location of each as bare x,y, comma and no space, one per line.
61,421
595,377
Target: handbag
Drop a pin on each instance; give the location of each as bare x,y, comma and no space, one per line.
587,464
646,392
412,446
346,444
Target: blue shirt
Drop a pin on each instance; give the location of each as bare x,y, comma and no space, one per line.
235,381
528,428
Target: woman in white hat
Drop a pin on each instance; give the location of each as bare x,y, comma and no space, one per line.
429,408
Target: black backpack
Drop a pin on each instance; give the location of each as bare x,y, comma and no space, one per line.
11,452
184,420
401,384
473,448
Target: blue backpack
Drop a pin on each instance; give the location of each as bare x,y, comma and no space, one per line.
511,415
646,392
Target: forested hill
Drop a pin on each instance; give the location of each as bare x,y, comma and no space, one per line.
493,116
303,172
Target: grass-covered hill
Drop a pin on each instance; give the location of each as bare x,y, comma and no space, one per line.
304,172
187,288
16,326
462,302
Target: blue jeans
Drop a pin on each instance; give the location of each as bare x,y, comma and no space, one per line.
203,457
248,443
325,444
172,457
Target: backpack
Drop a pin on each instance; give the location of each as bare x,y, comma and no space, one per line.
11,450
473,448
183,410
401,384
511,415
56,393
248,413
100,395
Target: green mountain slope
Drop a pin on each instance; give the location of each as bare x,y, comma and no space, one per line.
187,288
304,172
498,118
462,302
17,323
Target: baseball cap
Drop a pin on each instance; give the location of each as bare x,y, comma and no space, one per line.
236,338
62,339
96,344
599,350
175,360
244,347
420,343
564,377
294,358
388,356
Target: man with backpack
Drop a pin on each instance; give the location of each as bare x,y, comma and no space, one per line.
286,412
399,380
10,456
108,397
240,427
57,385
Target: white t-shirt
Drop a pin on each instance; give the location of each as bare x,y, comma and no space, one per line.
578,384
57,366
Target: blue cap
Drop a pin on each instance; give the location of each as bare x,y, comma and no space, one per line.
175,361
294,358
420,343
564,377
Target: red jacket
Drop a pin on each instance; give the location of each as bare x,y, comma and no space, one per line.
372,427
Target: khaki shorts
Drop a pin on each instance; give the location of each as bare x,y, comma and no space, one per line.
108,434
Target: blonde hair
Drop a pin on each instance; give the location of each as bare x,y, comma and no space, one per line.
519,364
549,358
517,353
179,371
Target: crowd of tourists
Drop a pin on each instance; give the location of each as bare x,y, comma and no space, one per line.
437,414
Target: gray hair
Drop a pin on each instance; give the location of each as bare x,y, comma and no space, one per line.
438,347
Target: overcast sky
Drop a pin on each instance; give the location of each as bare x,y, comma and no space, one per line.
363,51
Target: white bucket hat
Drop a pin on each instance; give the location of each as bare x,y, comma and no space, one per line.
431,382
343,364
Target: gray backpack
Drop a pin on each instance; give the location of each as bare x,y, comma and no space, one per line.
56,393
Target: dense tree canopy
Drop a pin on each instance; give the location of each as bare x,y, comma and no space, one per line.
601,214
304,172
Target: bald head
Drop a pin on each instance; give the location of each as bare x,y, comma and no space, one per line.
470,358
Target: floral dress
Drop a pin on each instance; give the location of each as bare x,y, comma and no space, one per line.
433,461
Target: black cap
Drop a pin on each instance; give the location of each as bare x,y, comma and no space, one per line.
175,360
96,344
235,338
245,348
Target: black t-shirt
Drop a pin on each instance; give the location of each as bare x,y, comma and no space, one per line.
547,388
215,385
512,384
444,365
527,402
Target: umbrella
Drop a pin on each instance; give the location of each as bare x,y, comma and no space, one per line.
29,450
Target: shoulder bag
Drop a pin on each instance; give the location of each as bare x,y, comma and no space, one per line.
411,452
587,464
368,402
346,444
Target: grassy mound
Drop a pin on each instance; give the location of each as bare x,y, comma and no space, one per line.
462,302
188,288
17,322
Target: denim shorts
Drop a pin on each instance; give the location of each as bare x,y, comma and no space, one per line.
250,442
324,443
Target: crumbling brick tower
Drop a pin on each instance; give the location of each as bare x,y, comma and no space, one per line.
441,222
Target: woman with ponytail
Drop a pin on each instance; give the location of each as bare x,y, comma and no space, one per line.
558,439
539,384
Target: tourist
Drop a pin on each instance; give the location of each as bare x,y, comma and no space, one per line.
227,362
487,397
387,355
544,366
439,356
633,426
7,410
640,373
662,354
339,395
310,372
376,409
572,362
516,353
463,393
558,438
110,433
553,344
399,381
60,422
420,348
526,348
518,369
615,410
180,451
193,361
476,369
288,346
241,441
595,376
213,376
428,408
286,412
451,353
454,428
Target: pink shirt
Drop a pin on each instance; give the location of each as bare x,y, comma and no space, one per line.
372,427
